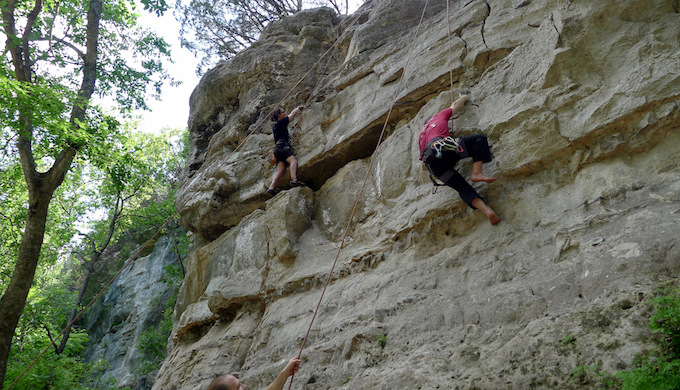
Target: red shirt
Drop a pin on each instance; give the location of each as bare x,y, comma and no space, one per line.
438,126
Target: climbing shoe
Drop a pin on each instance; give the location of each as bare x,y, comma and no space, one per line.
296,183
272,192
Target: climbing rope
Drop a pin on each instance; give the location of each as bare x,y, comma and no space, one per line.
363,186
325,68
191,197
448,25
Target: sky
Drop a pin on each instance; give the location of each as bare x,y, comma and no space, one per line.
173,110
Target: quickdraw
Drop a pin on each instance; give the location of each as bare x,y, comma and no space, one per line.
448,143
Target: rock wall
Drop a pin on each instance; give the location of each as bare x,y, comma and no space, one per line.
132,304
579,100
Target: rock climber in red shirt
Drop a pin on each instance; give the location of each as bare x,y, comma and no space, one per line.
440,152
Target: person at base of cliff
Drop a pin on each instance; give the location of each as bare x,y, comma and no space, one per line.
440,153
230,382
282,150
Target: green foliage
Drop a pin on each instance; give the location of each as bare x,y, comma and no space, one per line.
60,225
666,322
47,77
129,69
129,62
654,370
652,373
157,6
382,340
153,344
44,101
65,371
44,317
48,304
568,339
13,198
98,137
173,277
603,378
659,369
142,167
44,104
135,185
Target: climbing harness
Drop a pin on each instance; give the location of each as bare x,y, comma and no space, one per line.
445,177
433,151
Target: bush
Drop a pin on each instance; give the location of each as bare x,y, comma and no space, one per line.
65,371
659,369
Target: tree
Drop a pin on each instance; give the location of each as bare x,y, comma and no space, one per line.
216,30
55,52
136,174
130,193
43,315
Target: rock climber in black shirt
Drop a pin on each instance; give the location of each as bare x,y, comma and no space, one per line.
282,150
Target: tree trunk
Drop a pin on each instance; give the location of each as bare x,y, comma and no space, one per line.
41,186
74,312
13,301
96,255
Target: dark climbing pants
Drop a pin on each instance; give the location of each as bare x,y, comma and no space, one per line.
282,151
476,147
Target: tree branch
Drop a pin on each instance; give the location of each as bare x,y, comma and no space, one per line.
54,17
179,257
62,163
49,334
90,239
10,31
21,70
30,21
8,141
90,63
11,223
49,38
25,146
117,211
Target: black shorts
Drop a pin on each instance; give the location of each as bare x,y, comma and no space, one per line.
282,152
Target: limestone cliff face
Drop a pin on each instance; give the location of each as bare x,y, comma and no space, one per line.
133,304
579,100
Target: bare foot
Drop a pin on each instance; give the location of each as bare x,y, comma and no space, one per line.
493,218
479,204
480,177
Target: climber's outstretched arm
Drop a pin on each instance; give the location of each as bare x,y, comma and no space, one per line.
459,103
290,369
295,112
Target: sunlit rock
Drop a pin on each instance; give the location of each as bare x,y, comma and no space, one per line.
579,101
